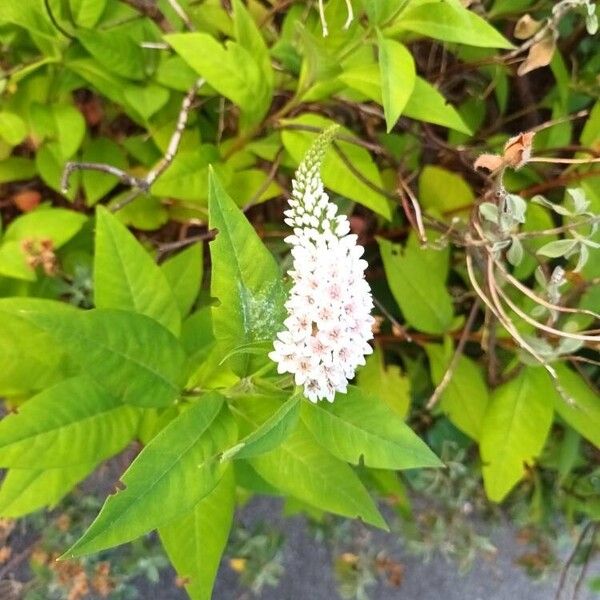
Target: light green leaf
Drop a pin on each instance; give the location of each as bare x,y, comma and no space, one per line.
24,491
358,427
302,468
423,299
30,358
450,23
232,70
86,13
71,423
583,413
269,434
195,542
557,248
177,469
116,51
397,69
56,224
427,104
146,99
62,123
466,397
16,168
385,382
130,354
126,277
183,272
335,172
13,129
514,430
96,184
245,279
444,191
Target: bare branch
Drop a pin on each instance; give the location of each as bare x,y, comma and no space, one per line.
127,178
443,384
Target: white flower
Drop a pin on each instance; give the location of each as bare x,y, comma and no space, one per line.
329,322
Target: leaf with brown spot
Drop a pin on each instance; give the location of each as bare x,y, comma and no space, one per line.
26,200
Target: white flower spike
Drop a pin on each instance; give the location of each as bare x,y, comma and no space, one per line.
329,322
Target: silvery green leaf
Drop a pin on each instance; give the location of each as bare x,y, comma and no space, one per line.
541,278
517,207
578,199
539,311
591,22
489,211
590,243
541,346
569,345
584,254
557,208
557,248
500,245
515,252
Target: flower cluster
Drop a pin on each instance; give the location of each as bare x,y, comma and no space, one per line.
329,323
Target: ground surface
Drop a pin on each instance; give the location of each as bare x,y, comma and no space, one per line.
309,574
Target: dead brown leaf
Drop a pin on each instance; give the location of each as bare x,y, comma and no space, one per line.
526,27
540,55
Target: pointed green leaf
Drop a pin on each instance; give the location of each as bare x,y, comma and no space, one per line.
131,355
427,104
184,274
466,397
73,422
397,69
423,299
126,277
177,469
269,434
583,413
96,184
245,279
514,430
24,491
450,23
195,542
359,427
304,469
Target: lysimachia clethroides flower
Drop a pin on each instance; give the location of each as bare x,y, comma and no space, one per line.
329,323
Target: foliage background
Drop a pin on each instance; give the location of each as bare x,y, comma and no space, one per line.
194,135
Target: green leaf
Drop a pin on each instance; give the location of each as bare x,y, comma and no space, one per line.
71,423
360,428
56,224
30,357
62,123
385,382
466,397
427,104
302,468
130,354
86,13
423,299
269,434
336,174
450,23
96,184
514,430
583,412
183,272
126,277
146,99
24,491
557,248
115,50
245,279
16,168
444,191
397,69
232,71
13,129
195,542
177,469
